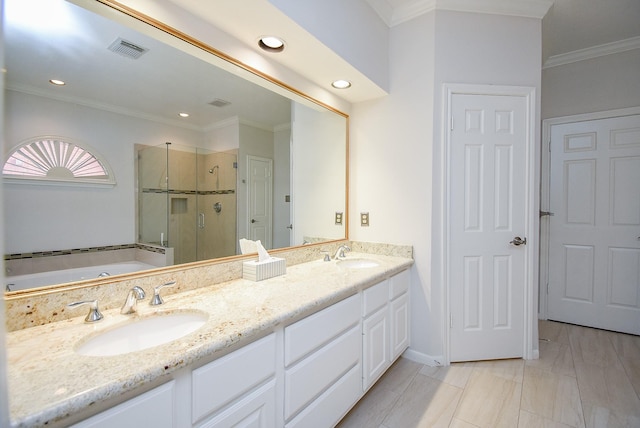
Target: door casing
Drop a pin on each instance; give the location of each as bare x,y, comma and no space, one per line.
530,350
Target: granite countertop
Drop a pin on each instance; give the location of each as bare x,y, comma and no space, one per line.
48,380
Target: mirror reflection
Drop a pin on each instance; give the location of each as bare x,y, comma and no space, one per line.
196,157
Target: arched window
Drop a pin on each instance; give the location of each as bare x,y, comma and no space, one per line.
56,160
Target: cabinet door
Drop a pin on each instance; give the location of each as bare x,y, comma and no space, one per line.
375,336
399,325
258,410
151,409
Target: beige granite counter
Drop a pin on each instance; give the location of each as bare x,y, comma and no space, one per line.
49,381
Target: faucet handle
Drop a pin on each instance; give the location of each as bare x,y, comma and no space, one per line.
327,257
94,314
156,299
340,252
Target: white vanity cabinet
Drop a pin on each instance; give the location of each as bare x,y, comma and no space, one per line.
385,326
154,408
237,389
322,365
306,374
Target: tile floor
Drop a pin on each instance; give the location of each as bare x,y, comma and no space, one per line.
584,378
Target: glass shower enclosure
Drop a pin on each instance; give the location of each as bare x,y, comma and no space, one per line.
187,200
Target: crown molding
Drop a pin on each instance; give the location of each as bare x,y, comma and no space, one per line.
592,52
413,9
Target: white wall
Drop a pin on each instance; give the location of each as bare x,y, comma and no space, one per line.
390,168
61,217
604,83
223,137
396,141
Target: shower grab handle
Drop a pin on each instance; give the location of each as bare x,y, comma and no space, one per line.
201,220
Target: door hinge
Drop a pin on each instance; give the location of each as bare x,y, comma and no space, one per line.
450,321
451,123
549,146
547,288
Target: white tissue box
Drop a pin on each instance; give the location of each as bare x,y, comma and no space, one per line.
257,271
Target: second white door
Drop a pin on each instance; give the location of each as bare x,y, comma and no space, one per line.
260,200
594,243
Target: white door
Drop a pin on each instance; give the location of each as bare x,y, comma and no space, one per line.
260,199
594,243
487,261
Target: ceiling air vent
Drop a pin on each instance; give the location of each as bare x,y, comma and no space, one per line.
126,48
219,103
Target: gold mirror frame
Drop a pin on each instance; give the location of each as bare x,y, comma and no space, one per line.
145,19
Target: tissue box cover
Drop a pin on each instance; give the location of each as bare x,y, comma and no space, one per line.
257,271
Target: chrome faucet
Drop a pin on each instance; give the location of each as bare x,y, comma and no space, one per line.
340,252
94,314
135,294
156,299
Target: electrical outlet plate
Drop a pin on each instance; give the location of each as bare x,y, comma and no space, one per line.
364,219
338,218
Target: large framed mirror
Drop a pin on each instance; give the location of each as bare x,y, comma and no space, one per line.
202,152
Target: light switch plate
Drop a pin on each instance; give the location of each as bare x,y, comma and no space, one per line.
338,218
364,219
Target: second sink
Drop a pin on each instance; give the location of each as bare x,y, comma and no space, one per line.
144,333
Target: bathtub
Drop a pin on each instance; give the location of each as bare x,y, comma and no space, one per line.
41,279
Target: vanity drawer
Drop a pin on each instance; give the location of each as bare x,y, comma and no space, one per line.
153,408
399,283
308,379
218,383
333,404
375,297
313,332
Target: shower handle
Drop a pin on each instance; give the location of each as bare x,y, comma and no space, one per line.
201,220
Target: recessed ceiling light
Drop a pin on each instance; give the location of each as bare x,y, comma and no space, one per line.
183,114
271,44
57,82
341,84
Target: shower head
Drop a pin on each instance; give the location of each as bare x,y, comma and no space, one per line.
213,170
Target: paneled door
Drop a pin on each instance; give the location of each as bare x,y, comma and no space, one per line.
594,242
488,244
260,199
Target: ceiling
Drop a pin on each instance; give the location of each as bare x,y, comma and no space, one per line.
569,25
47,39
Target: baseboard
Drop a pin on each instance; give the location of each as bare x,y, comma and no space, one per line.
419,357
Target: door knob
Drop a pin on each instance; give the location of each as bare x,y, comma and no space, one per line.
517,241
253,220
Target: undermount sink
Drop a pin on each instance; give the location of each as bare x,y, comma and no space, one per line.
144,333
357,263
